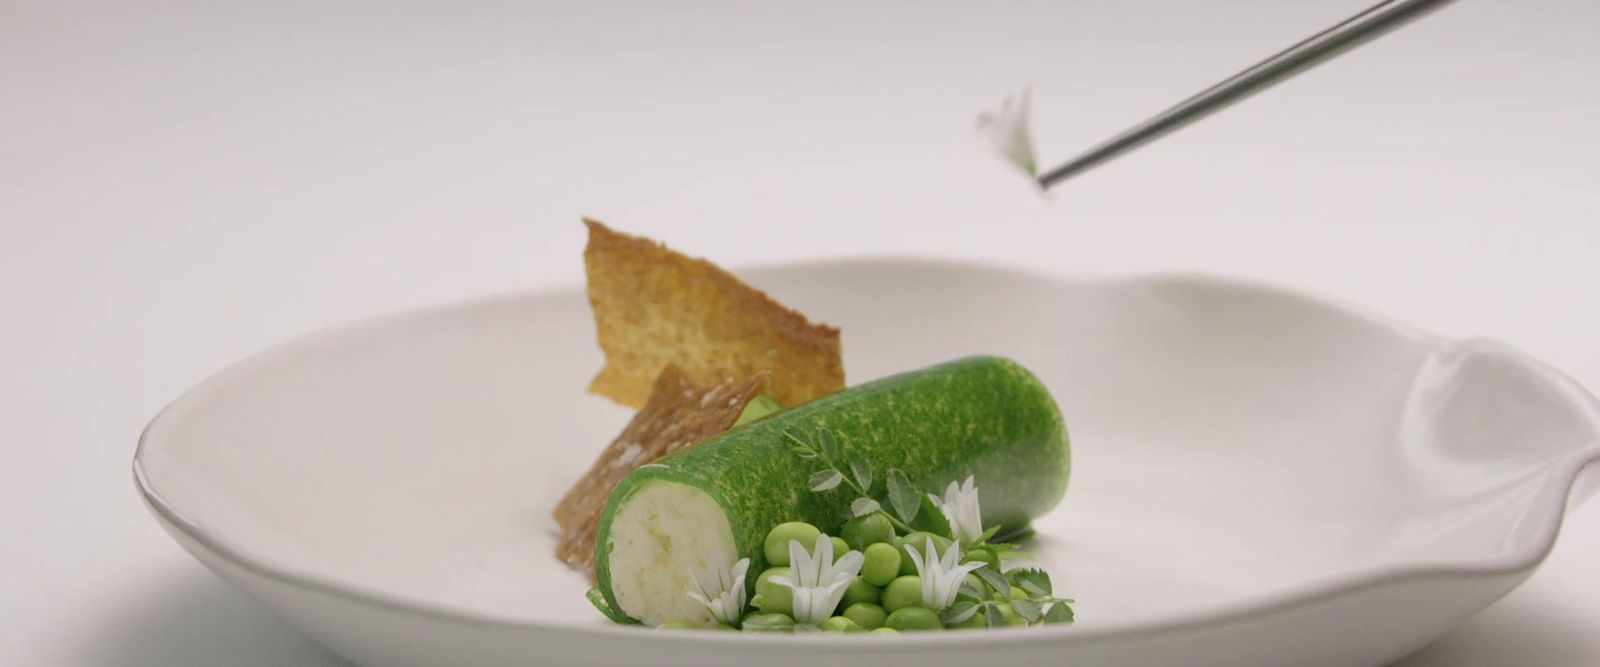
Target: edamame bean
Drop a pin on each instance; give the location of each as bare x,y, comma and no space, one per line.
776,548
919,541
903,593
768,623
882,564
912,619
774,598
866,615
860,591
839,624
839,548
863,531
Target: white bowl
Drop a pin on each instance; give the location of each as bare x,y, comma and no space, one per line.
1260,477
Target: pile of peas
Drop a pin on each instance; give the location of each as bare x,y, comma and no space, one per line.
885,598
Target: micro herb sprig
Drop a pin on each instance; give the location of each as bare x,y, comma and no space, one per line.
1021,596
999,604
901,496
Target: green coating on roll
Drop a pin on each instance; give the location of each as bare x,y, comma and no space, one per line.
983,416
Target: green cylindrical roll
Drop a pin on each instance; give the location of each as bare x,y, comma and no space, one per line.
706,506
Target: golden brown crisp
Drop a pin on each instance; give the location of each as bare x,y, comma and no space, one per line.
654,307
677,414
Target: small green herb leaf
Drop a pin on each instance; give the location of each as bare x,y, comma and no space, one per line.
1061,612
932,519
796,437
826,445
991,614
798,444
1033,582
960,612
903,496
825,479
863,472
1027,609
984,538
969,591
863,506
993,579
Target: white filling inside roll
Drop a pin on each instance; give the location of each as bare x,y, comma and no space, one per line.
663,529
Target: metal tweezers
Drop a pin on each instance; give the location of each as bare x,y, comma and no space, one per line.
1358,29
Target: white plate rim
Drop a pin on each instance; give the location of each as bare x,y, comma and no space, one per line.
1550,507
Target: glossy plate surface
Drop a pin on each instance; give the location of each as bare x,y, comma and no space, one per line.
1260,477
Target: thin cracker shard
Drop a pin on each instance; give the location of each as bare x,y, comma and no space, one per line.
654,306
672,418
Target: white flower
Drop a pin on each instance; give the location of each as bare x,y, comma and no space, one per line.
817,581
721,591
1008,129
941,579
960,506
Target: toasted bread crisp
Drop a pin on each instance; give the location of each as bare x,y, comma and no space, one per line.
654,307
678,413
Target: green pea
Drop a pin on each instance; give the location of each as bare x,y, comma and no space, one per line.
1010,615
982,555
866,615
774,598
840,624
839,548
885,630
1018,594
776,548
768,623
860,591
903,593
679,625
882,564
913,618
919,541
863,531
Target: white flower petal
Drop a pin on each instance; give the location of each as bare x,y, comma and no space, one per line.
1008,130
822,560
800,564
956,577
960,506
818,582
916,559
849,566
941,576
725,600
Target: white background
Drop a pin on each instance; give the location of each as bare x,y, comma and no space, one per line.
182,184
